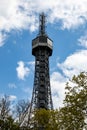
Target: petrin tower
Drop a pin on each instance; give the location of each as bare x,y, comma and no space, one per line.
41,96
42,50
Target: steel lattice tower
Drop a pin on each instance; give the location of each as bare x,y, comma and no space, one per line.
42,49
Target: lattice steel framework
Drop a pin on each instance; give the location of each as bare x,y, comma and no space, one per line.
42,49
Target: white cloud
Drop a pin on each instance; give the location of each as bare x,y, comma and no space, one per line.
22,14
2,39
15,15
28,92
31,65
1,95
74,64
58,89
12,97
83,40
71,13
12,85
22,71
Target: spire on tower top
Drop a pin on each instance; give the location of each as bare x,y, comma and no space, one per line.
42,26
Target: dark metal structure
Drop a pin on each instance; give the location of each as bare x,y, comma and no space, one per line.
42,49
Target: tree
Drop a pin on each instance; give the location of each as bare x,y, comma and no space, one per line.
10,124
6,120
73,116
43,119
74,112
4,107
21,109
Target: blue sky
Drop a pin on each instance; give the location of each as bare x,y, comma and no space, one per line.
66,26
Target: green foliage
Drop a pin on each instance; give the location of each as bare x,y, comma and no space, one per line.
45,119
41,118
73,116
9,124
75,109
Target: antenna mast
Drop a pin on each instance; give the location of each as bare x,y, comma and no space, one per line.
42,26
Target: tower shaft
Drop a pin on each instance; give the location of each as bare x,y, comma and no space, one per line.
42,49
42,91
